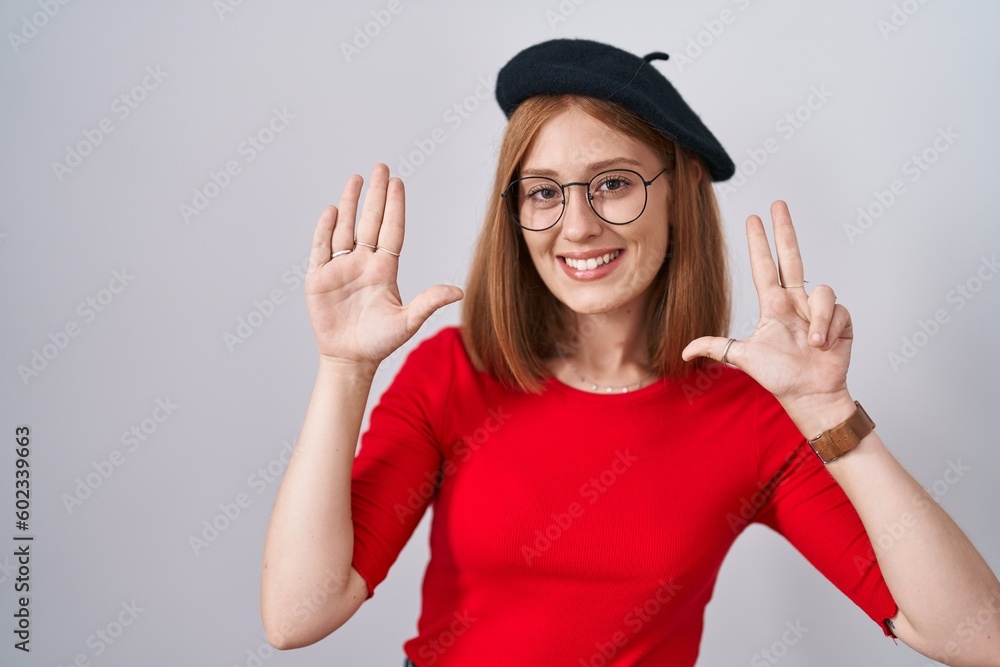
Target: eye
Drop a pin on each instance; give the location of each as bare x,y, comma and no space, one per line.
542,193
613,184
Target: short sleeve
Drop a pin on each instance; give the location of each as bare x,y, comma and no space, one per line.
803,502
396,473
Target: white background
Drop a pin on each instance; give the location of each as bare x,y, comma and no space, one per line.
164,335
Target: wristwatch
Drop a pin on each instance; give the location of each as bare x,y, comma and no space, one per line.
842,438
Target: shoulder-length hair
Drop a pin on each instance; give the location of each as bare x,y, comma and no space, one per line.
511,322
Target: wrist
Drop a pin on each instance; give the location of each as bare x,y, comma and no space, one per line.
815,414
834,428
347,369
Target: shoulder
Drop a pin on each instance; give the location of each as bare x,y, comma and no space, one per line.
436,357
434,382
730,397
721,388
445,343
418,379
754,422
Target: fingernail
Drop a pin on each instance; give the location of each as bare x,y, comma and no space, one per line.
817,337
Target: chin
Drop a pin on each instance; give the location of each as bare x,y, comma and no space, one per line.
595,304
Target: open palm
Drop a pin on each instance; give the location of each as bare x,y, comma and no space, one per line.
801,347
353,299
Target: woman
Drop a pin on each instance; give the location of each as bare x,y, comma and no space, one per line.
591,442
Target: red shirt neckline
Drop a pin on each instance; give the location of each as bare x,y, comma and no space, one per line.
653,389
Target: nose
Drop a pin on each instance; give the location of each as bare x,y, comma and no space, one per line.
579,221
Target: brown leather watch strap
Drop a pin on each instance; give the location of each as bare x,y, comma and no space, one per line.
842,438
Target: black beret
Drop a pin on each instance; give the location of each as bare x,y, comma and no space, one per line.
593,69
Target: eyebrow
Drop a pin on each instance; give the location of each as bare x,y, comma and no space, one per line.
593,166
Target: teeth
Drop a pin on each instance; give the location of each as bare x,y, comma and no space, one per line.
593,262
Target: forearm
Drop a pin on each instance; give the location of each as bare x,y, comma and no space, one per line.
945,590
310,539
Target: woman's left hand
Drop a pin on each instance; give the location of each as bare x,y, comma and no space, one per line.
801,347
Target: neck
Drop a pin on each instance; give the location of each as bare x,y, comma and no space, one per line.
609,348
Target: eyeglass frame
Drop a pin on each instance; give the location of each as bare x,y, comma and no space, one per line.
590,198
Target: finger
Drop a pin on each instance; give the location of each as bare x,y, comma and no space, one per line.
424,304
711,347
841,327
390,236
786,245
821,303
320,252
343,233
765,273
371,214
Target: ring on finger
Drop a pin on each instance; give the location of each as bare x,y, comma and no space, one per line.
367,245
341,252
792,286
725,352
394,254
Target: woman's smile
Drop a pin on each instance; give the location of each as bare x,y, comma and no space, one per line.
591,265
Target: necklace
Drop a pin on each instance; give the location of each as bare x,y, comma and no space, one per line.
608,389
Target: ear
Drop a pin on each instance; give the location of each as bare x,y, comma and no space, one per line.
696,167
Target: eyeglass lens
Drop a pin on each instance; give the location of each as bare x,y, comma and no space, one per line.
617,196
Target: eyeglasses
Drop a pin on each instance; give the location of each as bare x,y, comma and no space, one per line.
617,196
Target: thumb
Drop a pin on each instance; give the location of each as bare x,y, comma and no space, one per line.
425,303
709,346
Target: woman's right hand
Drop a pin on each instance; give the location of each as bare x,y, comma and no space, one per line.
353,299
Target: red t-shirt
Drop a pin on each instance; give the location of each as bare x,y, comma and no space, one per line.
572,528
